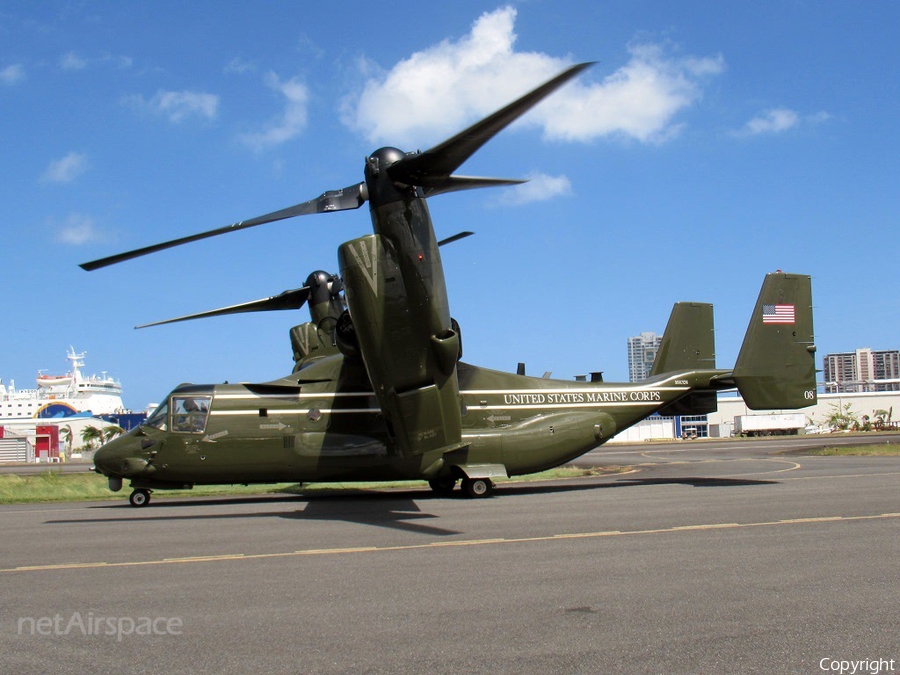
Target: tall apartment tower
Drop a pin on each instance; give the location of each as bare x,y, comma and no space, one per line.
862,370
641,354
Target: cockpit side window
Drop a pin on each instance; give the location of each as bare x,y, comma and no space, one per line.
159,418
190,413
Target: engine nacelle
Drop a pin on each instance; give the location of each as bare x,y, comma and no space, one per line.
412,368
309,343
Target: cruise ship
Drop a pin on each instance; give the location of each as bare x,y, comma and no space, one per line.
61,396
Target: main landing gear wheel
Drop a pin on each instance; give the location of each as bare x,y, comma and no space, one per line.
139,497
442,486
478,487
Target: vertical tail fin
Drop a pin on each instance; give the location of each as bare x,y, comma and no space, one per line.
689,340
688,343
776,366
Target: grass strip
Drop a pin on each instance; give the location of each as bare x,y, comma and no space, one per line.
55,486
879,450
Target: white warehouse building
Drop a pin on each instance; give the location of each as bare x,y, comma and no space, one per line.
720,424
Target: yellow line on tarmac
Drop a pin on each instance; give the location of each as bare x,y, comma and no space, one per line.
58,566
331,551
203,558
845,475
446,544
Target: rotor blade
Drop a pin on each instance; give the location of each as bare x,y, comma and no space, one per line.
445,158
288,300
454,183
455,237
351,197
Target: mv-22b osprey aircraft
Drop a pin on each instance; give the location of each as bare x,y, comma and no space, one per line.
378,391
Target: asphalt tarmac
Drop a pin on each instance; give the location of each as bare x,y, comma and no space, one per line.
707,558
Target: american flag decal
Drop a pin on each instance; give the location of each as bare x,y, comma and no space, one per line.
778,314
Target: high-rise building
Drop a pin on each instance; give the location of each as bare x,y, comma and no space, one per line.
863,370
641,354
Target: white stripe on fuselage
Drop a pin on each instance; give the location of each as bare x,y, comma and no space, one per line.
514,399
464,392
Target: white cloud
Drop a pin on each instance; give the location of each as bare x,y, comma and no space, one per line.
771,122
78,230
67,169
292,120
540,187
639,100
239,66
121,61
179,105
440,90
306,45
72,61
12,74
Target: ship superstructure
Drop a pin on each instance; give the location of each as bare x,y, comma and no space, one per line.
60,396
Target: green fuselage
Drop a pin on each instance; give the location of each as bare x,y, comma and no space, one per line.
325,424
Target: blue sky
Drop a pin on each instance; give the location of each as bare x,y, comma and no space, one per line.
712,143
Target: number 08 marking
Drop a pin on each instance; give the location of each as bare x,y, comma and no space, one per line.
809,395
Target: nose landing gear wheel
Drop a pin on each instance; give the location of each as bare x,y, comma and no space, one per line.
478,487
139,497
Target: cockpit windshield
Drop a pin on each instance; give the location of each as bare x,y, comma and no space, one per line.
159,418
189,413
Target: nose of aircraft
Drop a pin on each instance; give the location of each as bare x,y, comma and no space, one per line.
120,458
107,459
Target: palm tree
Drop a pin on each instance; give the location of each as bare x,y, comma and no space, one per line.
883,418
65,435
111,432
90,434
